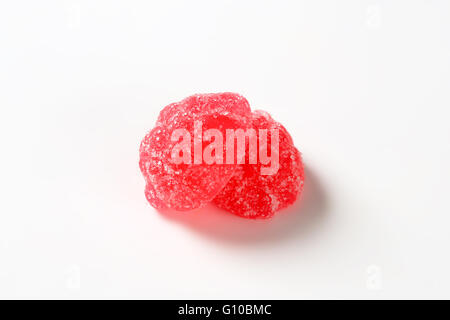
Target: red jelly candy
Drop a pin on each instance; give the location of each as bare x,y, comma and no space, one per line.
189,182
251,194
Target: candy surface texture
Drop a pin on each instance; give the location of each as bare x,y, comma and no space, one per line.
178,178
250,194
186,186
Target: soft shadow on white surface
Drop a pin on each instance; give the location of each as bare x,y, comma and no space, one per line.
298,220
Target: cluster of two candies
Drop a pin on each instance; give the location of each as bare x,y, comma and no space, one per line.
213,148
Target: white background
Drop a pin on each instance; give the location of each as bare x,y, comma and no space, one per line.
362,86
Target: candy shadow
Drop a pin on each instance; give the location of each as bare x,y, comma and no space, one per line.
298,220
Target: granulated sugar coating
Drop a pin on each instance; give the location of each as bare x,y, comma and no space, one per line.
188,186
250,194
179,176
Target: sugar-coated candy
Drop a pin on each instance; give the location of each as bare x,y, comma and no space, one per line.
251,194
189,185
